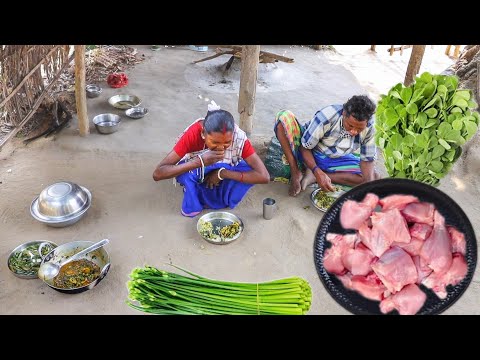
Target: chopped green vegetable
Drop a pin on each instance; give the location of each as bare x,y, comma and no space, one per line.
27,261
216,233
162,292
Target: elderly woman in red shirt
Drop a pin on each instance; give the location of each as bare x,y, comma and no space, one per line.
215,163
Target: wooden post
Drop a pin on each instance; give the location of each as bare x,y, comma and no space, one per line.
414,63
447,50
392,49
372,48
456,52
248,86
80,94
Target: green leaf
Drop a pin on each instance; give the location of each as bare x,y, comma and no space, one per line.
452,136
428,91
438,151
391,118
442,89
471,129
450,154
398,165
412,108
426,77
456,110
395,93
472,104
398,155
444,144
430,123
436,166
406,95
417,95
461,103
381,143
463,94
432,112
430,103
443,128
451,82
396,141
421,119
457,124
421,160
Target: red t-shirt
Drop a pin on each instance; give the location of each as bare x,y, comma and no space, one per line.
192,141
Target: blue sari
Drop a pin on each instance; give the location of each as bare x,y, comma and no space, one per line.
197,196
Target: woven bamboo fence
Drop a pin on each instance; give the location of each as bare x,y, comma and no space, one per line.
27,74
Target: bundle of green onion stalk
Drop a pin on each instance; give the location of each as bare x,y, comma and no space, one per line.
161,292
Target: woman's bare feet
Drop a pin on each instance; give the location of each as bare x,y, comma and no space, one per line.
295,185
308,179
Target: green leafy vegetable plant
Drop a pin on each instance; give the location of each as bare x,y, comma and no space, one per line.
421,128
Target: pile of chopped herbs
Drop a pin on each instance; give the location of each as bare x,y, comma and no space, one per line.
421,128
161,292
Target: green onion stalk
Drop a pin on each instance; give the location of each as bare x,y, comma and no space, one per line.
162,292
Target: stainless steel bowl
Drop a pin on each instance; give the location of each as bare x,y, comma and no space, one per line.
93,91
219,219
136,112
107,123
31,254
61,204
124,101
99,257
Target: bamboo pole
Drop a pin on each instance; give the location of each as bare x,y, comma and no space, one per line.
414,63
80,94
248,86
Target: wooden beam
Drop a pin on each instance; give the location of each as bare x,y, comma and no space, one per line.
248,86
414,63
80,94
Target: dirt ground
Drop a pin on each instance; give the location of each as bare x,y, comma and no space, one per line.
142,217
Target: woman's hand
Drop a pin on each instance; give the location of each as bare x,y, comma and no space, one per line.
211,179
212,156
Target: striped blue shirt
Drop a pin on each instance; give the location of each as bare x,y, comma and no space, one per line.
325,133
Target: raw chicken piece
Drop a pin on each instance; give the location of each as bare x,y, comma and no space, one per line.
387,227
422,268
395,269
408,301
397,201
420,231
412,248
437,249
456,273
368,286
332,259
358,260
458,240
353,214
421,212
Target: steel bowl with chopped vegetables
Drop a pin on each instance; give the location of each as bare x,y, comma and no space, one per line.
220,227
25,259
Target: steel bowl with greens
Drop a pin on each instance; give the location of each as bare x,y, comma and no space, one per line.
25,259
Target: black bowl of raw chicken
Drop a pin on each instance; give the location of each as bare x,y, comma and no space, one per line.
395,246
